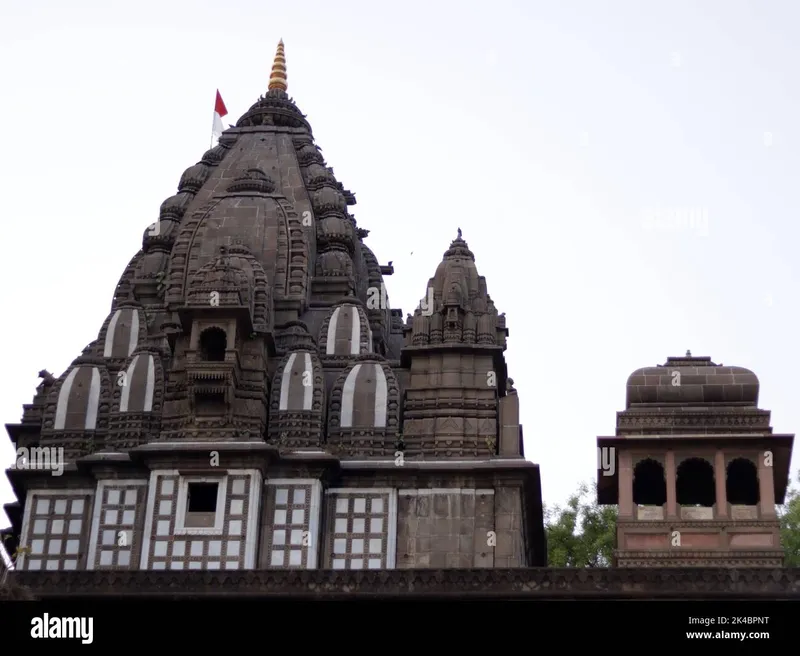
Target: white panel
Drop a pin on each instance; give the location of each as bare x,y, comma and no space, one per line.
134,334
355,331
330,342
108,348
286,377
308,390
348,395
381,397
63,399
151,384
94,401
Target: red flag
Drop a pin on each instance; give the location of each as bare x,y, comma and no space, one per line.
219,111
219,106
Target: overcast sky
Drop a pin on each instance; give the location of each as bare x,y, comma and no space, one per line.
626,173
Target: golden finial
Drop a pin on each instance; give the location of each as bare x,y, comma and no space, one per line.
277,79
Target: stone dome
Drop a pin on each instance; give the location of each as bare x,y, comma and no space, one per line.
692,380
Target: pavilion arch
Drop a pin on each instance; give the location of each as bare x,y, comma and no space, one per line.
649,483
213,344
695,483
741,483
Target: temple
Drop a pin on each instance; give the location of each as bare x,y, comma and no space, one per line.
255,417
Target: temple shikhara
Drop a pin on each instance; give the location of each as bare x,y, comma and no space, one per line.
254,416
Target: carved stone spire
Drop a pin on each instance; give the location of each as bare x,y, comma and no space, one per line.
277,79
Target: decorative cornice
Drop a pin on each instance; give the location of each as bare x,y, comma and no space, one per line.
529,583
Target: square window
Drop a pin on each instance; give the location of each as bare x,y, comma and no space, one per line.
161,565
359,505
70,564
73,546
339,563
237,487
37,547
113,497
77,507
163,528
295,557
376,525
111,517
233,548
40,526
376,546
42,506
297,537
340,526
130,497
299,497
214,548
202,497
109,537
60,507
179,549
195,565
58,526
235,527
124,558
374,563
164,507
281,497
52,565
176,564
340,546
377,506
214,564
74,526
279,538
277,558
54,548
280,516
167,486
35,565
358,526
342,506
232,564
357,563
237,507
197,548
106,558
128,516
357,547
298,516
160,548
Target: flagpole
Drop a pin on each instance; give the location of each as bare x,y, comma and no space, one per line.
213,116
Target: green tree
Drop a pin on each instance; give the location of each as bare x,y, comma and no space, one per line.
581,534
790,526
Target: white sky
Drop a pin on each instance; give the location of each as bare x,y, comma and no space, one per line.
544,130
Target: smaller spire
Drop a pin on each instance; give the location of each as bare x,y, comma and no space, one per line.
277,79
688,354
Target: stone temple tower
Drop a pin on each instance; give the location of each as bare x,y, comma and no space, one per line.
252,401
695,468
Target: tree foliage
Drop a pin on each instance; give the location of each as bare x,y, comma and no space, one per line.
581,533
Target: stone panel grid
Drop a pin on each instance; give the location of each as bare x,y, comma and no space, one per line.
116,534
293,515
55,529
361,529
445,528
176,548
